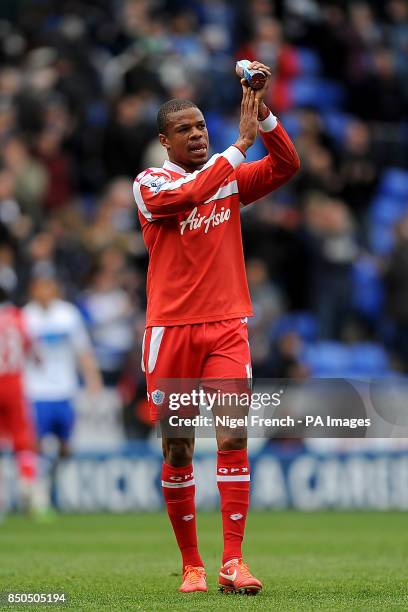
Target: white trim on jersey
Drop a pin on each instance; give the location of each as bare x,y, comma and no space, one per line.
155,341
229,154
269,123
248,371
234,156
140,201
169,165
223,192
171,185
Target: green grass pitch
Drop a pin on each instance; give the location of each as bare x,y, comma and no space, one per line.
316,561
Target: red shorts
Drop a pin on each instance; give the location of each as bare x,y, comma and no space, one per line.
217,350
15,421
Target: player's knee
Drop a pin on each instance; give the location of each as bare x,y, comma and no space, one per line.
230,443
178,452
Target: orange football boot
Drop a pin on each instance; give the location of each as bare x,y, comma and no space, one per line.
235,577
193,580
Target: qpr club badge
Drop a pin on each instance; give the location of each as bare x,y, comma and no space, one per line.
158,397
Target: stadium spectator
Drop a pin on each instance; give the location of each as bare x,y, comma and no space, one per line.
398,36
329,235
59,169
114,221
285,358
30,175
10,212
109,314
16,424
267,304
383,84
358,170
127,133
396,284
319,173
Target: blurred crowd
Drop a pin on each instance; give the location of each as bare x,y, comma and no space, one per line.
80,84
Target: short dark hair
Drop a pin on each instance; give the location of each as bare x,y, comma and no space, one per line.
171,106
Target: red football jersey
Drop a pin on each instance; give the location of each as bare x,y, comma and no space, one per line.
14,341
192,230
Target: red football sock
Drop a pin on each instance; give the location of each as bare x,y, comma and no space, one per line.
179,492
233,476
27,465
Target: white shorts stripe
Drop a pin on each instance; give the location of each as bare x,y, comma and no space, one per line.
143,348
177,485
248,370
155,341
239,478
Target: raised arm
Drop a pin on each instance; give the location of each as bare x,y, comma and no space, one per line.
258,179
159,196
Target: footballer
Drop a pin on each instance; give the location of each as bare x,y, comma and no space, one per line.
198,300
61,341
16,423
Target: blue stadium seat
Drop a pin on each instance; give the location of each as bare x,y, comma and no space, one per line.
223,133
327,359
386,209
303,323
337,360
369,359
394,184
214,123
291,123
336,124
309,62
318,93
368,290
381,239
306,325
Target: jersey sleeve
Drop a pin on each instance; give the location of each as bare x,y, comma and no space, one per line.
159,196
257,179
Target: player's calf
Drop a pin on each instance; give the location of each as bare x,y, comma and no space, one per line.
178,452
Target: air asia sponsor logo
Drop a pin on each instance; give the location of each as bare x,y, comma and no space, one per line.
195,220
